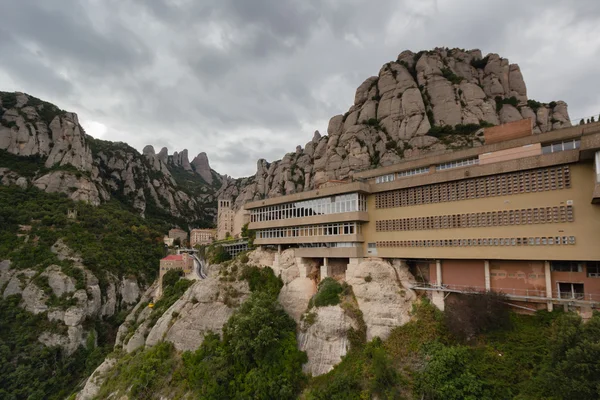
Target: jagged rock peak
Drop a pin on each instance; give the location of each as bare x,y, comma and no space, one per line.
429,101
163,155
148,150
202,167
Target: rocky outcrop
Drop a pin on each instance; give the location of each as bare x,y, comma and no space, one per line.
384,295
201,167
95,381
325,341
205,307
393,115
66,301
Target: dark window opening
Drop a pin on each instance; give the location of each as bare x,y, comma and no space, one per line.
593,269
566,266
570,290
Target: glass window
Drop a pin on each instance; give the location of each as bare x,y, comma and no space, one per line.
566,266
593,269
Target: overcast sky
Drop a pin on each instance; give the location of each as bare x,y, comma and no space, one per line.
249,79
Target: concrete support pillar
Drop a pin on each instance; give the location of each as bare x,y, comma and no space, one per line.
438,272
302,267
324,269
438,299
547,274
486,271
278,249
352,264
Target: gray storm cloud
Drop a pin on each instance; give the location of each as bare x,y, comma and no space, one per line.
243,80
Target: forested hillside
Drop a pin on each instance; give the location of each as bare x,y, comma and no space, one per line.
116,247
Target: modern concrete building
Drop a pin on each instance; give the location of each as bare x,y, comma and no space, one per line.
518,215
202,236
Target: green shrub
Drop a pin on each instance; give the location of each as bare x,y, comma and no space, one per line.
448,374
171,277
258,357
513,101
218,255
468,315
451,76
262,280
368,278
534,105
328,293
480,63
9,100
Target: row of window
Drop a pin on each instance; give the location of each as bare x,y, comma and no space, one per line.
385,178
538,180
592,267
323,206
561,146
517,275
520,241
342,228
458,163
329,244
401,174
542,215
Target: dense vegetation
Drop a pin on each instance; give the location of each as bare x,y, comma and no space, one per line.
546,356
109,238
257,357
30,370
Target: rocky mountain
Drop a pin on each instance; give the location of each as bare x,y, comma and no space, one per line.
425,102
72,162
380,298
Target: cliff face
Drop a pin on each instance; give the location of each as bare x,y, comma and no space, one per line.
92,170
425,102
67,302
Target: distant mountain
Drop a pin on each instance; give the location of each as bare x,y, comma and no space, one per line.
44,146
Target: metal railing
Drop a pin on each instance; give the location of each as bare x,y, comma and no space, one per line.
587,120
512,292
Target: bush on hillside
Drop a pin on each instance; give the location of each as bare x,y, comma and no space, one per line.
468,315
328,293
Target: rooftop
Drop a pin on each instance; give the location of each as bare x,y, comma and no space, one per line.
173,257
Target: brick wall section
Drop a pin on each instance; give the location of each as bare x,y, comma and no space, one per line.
511,130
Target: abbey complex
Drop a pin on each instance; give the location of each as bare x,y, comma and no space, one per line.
438,241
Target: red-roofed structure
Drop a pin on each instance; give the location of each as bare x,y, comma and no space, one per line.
183,262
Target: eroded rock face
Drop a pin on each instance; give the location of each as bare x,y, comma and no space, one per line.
384,295
392,114
81,300
205,307
325,341
95,381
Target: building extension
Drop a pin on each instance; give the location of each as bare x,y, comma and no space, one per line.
517,215
202,237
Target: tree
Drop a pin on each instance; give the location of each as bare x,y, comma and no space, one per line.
573,368
250,234
447,375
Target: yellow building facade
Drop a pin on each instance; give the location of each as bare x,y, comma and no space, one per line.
517,214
